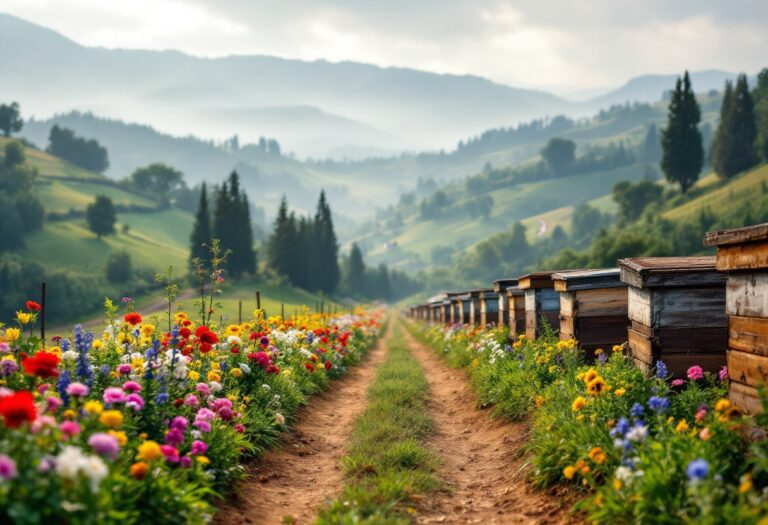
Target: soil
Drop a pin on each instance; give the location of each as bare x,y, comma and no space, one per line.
483,461
290,484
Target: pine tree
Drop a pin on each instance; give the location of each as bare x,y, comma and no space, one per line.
326,272
683,152
304,261
652,145
282,243
355,271
733,149
232,226
760,98
200,239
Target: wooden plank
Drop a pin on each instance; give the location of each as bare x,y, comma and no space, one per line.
641,328
748,334
600,302
501,285
749,256
650,272
747,294
679,364
567,326
535,280
599,330
746,368
691,340
758,232
574,280
639,305
677,307
567,304
745,398
641,346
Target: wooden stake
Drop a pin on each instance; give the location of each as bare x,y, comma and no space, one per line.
282,311
42,314
240,312
258,300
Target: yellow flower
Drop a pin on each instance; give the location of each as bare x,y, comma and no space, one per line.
11,334
139,469
236,372
69,414
578,404
521,337
580,417
111,418
589,375
620,392
722,405
215,365
149,451
475,363
121,437
233,329
93,407
147,330
287,372
618,348
516,345
539,400
203,460
97,344
616,484
599,351
569,472
194,376
24,317
596,386
597,455
214,376
746,483
682,426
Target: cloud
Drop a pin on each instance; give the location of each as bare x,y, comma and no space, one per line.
535,43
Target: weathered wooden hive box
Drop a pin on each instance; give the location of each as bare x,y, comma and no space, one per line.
677,312
464,301
542,303
474,307
489,308
500,287
516,309
743,254
593,308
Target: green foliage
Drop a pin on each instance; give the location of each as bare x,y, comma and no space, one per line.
683,152
101,216
200,238
10,118
354,275
652,145
31,212
157,180
232,226
634,198
85,153
559,154
119,268
760,97
11,227
733,149
587,221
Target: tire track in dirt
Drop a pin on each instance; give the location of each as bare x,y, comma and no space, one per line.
297,479
482,458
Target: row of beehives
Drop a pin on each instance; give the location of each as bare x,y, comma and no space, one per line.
685,311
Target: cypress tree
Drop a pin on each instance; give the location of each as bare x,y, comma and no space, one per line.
282,242
734,147
304,259
201,231
326,272
355,274
760,98
683,152
249,261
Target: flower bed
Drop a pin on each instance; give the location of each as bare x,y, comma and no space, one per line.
142,425
643,449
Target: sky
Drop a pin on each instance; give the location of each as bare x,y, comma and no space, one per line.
567,46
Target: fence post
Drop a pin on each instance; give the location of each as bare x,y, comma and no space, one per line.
42,314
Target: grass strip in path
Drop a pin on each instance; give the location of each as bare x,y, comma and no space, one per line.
389,462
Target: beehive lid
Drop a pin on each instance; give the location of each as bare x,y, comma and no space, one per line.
758,232
502,284
535,280
488,294
587,279
656,272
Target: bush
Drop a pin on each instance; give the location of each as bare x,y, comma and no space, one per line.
119,268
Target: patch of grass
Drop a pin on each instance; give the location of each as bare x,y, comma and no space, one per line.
388,461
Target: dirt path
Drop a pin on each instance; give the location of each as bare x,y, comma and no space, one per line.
299,477
482,458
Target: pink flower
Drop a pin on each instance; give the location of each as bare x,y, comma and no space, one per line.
170,452
42,422
185,462
678,382
695,373
43,388
723,374
131,386
180,422
204,414
191,400
77,389
203,388
69,428
700,413
114,395
198,448
134,401
124,369
104,444
240,428
4,348
201,425
52,404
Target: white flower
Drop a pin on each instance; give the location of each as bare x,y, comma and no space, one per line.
245,368
280,418
215,386
69,356
71,462
624,473
266,387
95,470
637,433
233,340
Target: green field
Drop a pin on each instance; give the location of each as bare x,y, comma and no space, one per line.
63,195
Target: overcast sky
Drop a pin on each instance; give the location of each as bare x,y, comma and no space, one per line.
567,45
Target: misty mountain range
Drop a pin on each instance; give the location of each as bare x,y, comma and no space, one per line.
318,108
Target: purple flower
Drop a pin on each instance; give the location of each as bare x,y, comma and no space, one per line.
180,422
124,369
225,413
174,436
662,372
697,469
7,468
185,462
198,448
77,389
637,410
191,400
104,370
114,395
621,428
46,464
660,405
8,367
4,348
104,444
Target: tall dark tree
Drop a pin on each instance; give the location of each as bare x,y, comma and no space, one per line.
304,261
282,244
101,216
326,272
683,152
10,118
734,145
158,180
355,270
652,145
200,239
232,227
559,153
760,98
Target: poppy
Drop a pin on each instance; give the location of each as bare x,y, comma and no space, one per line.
32,306
17,408
42,364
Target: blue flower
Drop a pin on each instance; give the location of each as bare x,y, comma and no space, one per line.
105,370
161,398
697,470
621,428
508,348
61,385
637,410
662,372
660,405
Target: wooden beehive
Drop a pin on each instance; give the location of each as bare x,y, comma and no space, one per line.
516,310
500,287
463,306
474,307
743,254
593,308
542,303
489,308
677,312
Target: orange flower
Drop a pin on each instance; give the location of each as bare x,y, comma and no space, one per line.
139,470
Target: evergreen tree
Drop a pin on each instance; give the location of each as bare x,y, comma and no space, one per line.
652,145
683,152
355,271
733,149
304,261
200,240
282,243
232,226
760,98
326,274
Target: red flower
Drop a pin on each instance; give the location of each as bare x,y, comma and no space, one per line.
32,306
132,318
185,332
17,408
309,366
205,335
328,365
42,364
